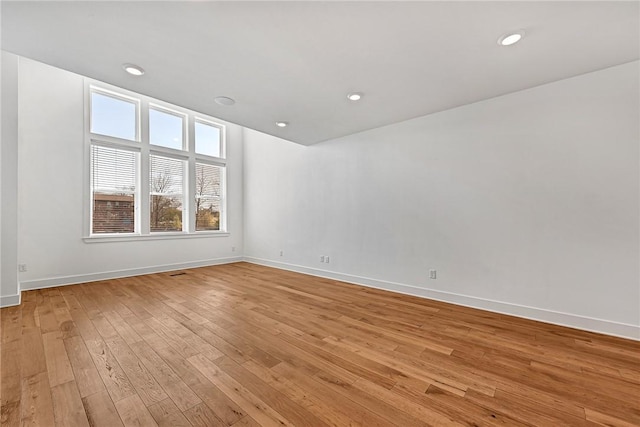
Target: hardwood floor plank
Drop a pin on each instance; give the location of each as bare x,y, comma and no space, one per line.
80,317
246,422
167,414
171,383
126,332
103,326
113,377
100,410
202,416
10,382
343,410
331,414
250,403
67,406
47,318
146,386
380,407
58,364
11,323
84,371
30,317
298,415
224,408
420,412
35,403
32,350
606,420
459,408
515,411
66,326
134,413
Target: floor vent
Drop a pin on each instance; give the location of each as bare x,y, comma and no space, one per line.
177,274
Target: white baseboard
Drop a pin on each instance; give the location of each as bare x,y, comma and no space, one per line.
93,277
622,330
9,300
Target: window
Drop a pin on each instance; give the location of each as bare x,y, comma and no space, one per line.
155,169
113,179
113,116
166,129
208,139
208,178
166,189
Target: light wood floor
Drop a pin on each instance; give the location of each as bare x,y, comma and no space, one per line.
245,345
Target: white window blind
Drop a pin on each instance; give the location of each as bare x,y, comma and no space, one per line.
166,191
113,188
208,196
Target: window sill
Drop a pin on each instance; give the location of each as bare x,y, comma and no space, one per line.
154,236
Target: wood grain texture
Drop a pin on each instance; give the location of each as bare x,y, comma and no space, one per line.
67,406
246,345
58,365
100,410
133,412
167,414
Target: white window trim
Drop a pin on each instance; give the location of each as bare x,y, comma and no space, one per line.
143,146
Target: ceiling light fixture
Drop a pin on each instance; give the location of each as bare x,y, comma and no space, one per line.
355,96
511,38
224,100
133,69
282,124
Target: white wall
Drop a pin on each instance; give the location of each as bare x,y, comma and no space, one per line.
526,203
9,294
50,199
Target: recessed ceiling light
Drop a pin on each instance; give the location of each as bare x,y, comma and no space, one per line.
133,69
354,96
510,38
224,100
282,124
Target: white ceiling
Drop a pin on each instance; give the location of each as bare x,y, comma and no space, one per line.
296,61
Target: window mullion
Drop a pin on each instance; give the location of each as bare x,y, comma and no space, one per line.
190,196
144,168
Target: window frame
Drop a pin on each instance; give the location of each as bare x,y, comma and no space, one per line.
221,129
185,125
186,213
121,97
221,197
143,146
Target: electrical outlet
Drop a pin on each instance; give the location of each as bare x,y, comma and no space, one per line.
22,268
281,253
233,248
432,274
326,259
321,258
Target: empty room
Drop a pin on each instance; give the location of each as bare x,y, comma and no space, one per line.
337,213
